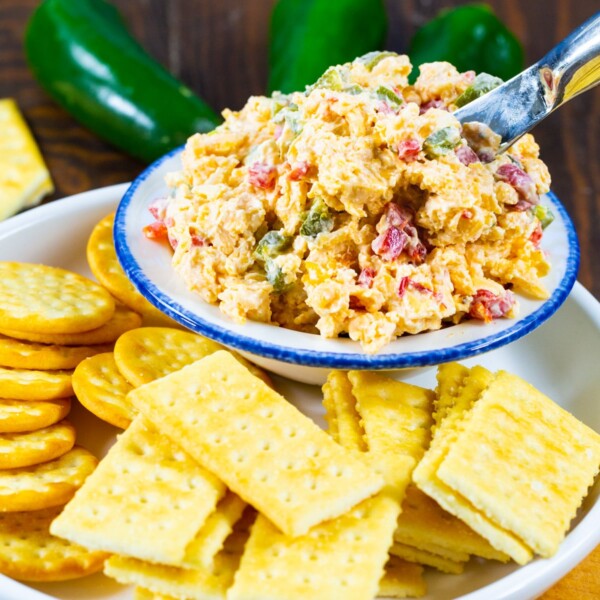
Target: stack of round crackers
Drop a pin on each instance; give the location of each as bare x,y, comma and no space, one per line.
50,320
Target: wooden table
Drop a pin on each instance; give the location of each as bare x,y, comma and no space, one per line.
219,48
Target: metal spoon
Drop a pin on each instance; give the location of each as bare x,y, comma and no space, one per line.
515,107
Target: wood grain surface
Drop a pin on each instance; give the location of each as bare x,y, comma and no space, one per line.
219,49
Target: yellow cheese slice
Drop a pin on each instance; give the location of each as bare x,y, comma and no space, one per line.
24,178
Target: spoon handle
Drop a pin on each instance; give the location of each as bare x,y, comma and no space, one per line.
515,107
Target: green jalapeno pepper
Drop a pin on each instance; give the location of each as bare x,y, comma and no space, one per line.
308,36
83,55
470,37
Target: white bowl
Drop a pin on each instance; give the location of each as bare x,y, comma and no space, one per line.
308,357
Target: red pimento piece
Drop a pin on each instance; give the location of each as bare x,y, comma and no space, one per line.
409,149
197,241
365,279
536,237
390,243
521,182
396,215
407,282
158,208
262,176
156,231
466,214
466,155
432,104
299,170
487,306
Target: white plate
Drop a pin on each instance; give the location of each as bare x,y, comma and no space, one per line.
304,356
560,358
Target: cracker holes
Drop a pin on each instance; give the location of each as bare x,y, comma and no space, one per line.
286,497
290,432
266,413
265,445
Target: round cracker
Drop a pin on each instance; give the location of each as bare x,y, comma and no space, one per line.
34,447
51,483
103,261
17,416
28,384
123,320
31,355
148,353
28,551
101,388
35,297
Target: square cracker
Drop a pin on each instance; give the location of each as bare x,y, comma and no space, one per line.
201,551
426,525
402,579
426,478
523,461
451,379
343,558
265,450
423,557
146,488
341,414
163,581
396,416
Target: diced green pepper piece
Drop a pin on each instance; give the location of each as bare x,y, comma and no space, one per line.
543,214
275,276
441,142
482,84
318,220
372,59
387,95
272,244
330,80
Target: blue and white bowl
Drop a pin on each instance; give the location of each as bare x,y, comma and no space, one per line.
308,357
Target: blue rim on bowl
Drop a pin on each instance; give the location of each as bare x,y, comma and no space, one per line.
317,358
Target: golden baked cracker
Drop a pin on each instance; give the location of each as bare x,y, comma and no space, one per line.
426,478
451,378
146,488
263,448
29,384
424,524
208,542
49,484
101,388
402,579
104,264
396,416
149,353
17,416
523,461
422,557
29,355
35,447
29,552
37,297
342,558
340,408
122,320
173,582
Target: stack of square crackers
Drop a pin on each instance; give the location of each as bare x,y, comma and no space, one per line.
221,489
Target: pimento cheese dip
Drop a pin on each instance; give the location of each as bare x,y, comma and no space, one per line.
359,207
